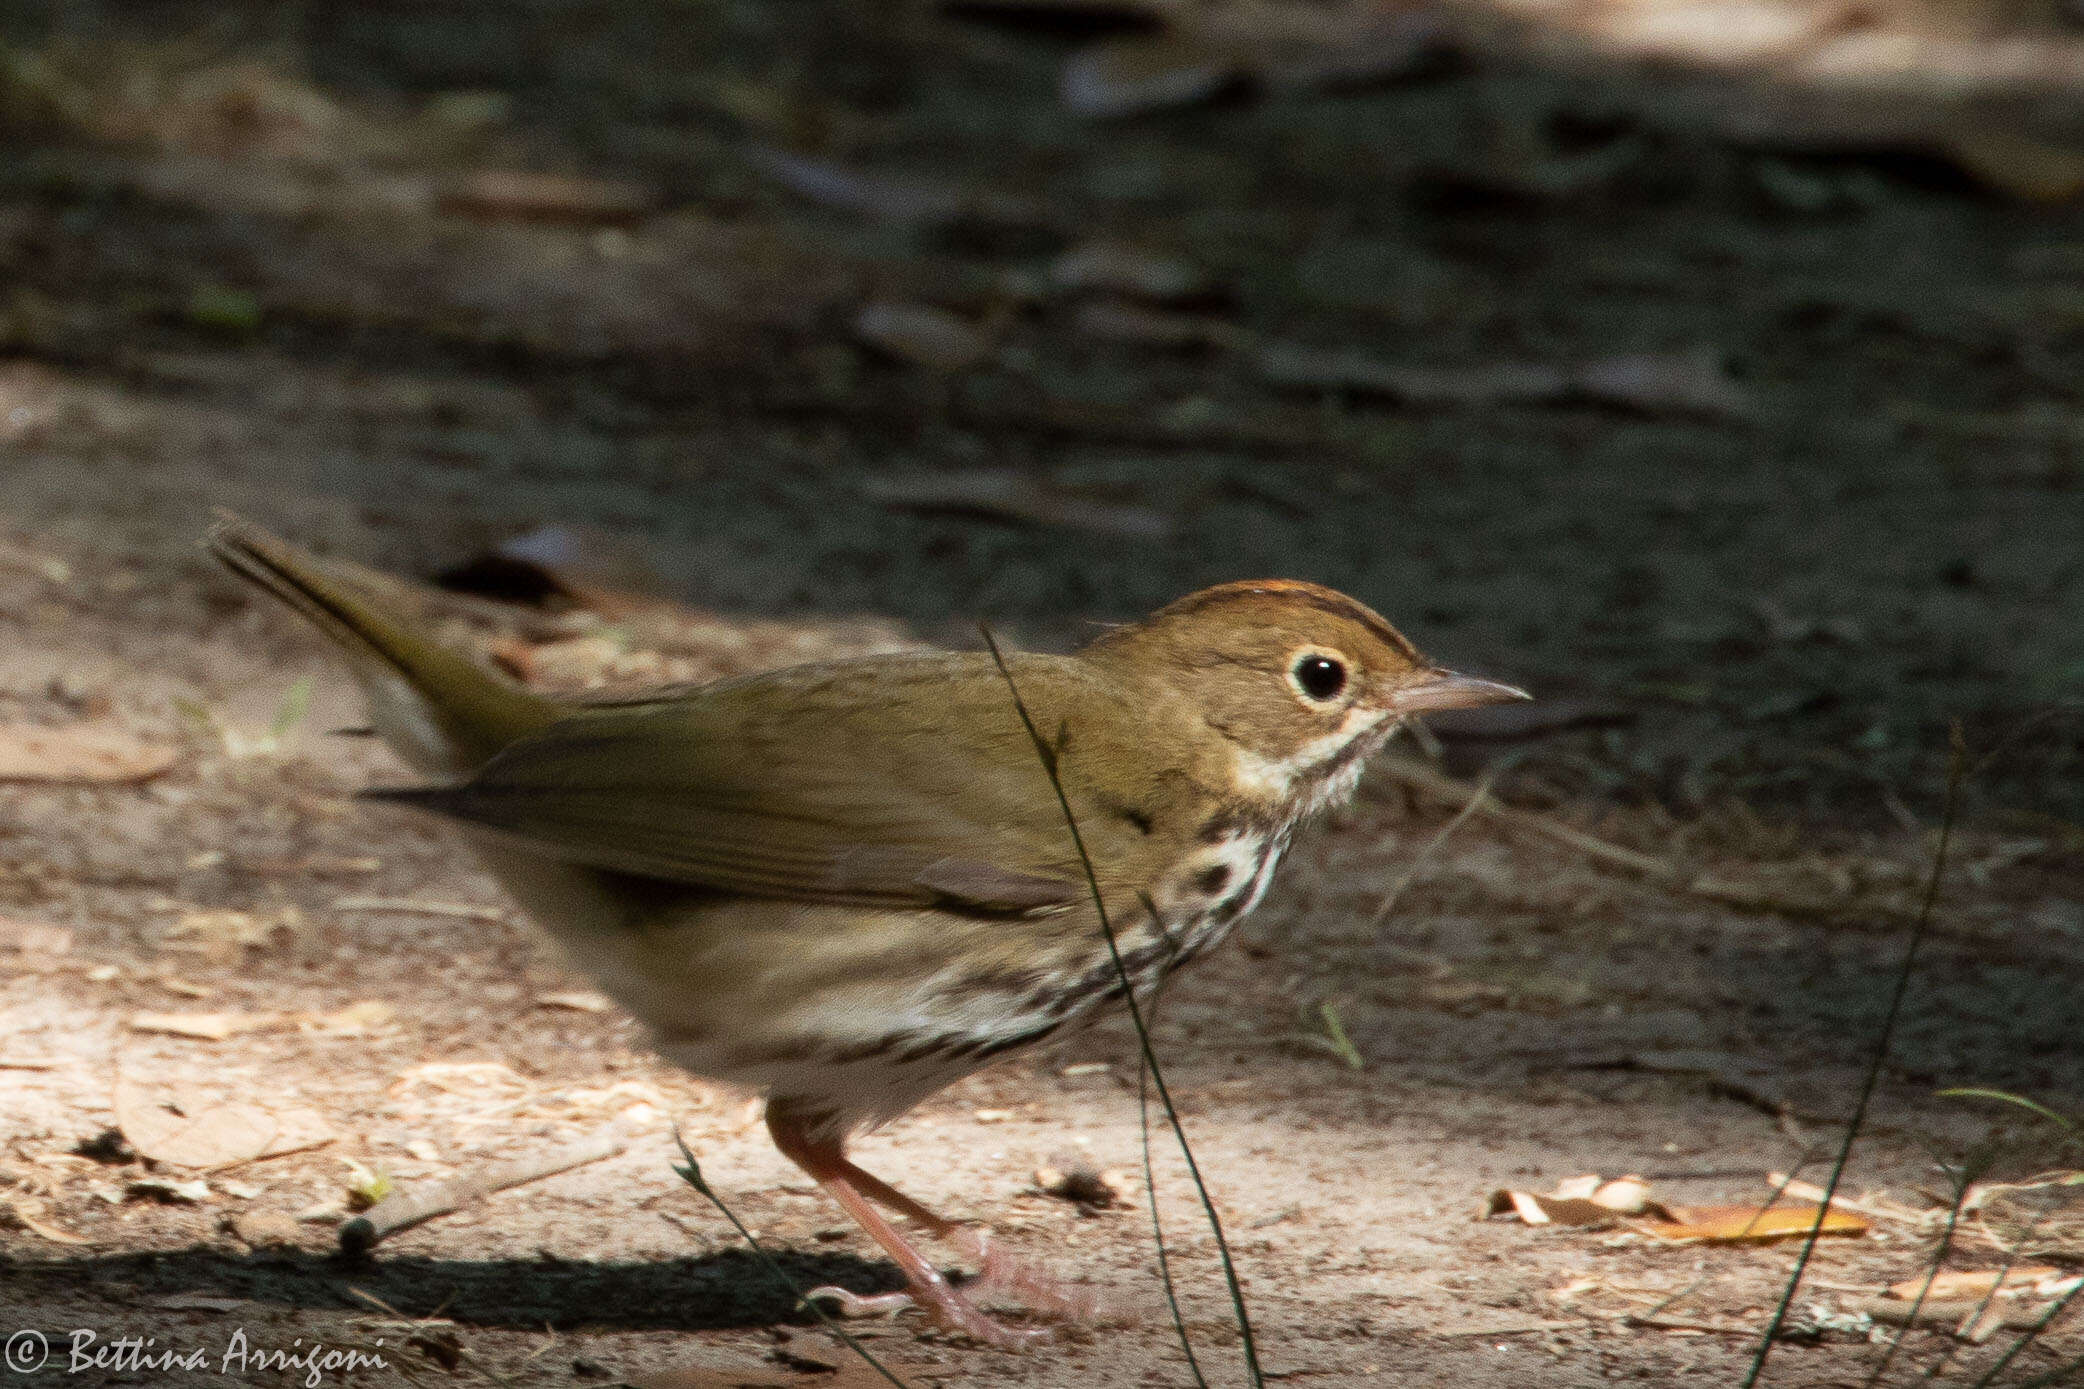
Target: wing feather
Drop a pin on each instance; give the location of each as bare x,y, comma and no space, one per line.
794,786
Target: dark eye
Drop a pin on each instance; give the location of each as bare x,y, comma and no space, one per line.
1319,677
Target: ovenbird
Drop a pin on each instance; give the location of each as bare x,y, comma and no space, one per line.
848,884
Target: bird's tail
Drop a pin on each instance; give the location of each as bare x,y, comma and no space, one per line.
440,710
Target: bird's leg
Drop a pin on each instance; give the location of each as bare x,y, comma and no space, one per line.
826,1162
997,1272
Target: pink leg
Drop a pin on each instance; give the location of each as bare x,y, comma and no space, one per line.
854,1189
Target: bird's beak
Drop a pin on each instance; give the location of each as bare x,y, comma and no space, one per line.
1444,689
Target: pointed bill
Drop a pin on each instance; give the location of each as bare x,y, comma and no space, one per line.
1444,689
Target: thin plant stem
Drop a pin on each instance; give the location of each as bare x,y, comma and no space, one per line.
1047,755
1403,883
1150,1195
2011,1261
1946,1243
1957,763
692,1175
2026,1339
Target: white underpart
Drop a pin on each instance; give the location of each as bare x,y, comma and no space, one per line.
1276,778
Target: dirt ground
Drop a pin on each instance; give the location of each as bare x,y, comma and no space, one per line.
1750,444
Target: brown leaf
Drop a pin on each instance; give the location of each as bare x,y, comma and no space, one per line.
1123,77
1111,320
225,935
353,1019
29,1211
198,1302
1277,47
209,1027
1550,1210
1115,267
1294,48
1956,1284
577,1001
194,1131
1585,1200
34,937
902,199
521,195
78,755
1752,1224
924,335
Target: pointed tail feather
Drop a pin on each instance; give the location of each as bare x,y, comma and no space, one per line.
440,710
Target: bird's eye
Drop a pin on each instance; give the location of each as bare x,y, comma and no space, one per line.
1319,677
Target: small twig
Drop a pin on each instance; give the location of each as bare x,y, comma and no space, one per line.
1814,1194
408,1208
1968,1317
1440,786
1652,1322
1477,801
411,906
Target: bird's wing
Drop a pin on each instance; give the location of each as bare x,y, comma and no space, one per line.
909,781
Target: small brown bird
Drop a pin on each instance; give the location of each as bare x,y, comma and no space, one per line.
848,884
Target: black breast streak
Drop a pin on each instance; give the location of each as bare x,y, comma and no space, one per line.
1141,819
1211,881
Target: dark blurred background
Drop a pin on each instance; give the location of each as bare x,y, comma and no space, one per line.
1712,369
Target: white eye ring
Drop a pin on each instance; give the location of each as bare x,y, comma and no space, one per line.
1319,677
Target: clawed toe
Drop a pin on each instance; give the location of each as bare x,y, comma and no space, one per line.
849,1305
948,1309
1000,1275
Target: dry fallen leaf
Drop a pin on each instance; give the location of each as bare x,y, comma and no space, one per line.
198,1302
1585,1200
1204,50
520,195
79,755
1955,1284
34,937
924,335
352,1020
1113,320
28,1210
209,1027
1752,1224
1115,267
226,934
899,198
266,1229
578,1001
1122,77
193,1131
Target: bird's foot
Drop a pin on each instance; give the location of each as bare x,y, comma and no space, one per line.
1002,1276
947,1308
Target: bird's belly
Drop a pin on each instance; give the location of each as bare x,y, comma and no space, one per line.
864,1012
